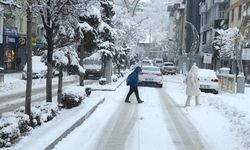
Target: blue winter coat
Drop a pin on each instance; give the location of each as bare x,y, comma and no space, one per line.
132,79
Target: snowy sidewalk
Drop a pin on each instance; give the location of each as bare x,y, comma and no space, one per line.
65,122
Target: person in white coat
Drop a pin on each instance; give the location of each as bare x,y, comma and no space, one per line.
192,88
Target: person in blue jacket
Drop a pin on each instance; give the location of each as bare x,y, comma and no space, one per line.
132,81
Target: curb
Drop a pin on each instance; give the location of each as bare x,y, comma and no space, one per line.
80,121
76,124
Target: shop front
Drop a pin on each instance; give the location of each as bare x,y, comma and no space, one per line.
8,48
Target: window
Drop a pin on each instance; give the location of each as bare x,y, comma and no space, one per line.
232,15
21,25
204,37
239,13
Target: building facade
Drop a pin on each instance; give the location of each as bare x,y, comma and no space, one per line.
212,16
239,14
13,35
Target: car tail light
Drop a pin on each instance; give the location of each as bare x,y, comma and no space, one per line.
142,73
215,80
159,74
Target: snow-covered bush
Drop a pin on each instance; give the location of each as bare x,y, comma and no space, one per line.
43,112
12,125
17,123
72,96
9,132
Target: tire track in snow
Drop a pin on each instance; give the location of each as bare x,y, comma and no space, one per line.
184,134
119,126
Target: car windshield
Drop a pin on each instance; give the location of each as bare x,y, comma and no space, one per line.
168,64
92,62
158,62
145,61
150,68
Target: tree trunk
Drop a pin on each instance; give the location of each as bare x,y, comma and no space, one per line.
29,64
49,65
60,84
81,63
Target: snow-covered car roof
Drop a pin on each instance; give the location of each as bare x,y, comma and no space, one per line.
150,68
206,73
37,65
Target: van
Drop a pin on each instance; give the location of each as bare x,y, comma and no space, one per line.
93,66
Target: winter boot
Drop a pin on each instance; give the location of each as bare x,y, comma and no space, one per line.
140,101
127,101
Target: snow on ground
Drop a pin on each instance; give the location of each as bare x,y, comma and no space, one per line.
13,83
222,119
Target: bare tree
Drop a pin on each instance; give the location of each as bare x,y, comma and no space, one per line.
29,60
131,6
50,11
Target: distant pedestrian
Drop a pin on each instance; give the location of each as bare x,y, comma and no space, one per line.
132,81
192,88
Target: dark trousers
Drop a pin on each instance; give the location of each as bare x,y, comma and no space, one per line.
131,90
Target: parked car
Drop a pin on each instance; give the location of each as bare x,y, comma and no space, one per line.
208,81
39,69
158,62
92,66
169,68
1,69
146,62
151,75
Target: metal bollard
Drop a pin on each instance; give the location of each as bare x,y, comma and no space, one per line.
88,91
240,84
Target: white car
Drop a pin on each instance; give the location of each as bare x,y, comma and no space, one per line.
146,62
39,69
158,62
1,69
208,81
151,75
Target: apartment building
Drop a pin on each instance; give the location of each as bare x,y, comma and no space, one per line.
236,11
213,16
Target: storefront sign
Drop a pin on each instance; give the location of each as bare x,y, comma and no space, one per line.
10,40
33,41
8,30
21,40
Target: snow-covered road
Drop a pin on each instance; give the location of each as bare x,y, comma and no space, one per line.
10,100
156,124
221,122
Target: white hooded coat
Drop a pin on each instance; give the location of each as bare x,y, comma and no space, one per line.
192,82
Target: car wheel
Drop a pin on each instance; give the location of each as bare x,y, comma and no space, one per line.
215,92
160,85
